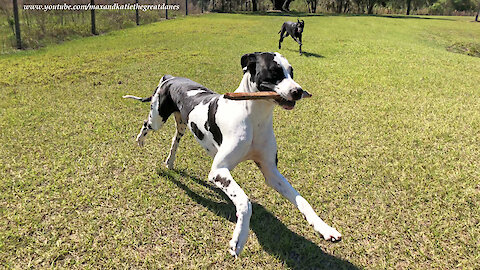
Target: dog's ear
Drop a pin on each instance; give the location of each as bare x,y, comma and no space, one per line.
249,62
303,22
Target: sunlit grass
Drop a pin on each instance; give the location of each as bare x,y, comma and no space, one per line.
387,150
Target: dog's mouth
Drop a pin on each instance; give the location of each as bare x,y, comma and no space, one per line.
286,104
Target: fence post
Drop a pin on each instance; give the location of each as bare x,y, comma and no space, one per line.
17,24
137,18
92,12
186,7
166,9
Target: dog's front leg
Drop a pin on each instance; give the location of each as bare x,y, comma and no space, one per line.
277,181
222,178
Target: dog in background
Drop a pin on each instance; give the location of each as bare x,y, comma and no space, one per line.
295,30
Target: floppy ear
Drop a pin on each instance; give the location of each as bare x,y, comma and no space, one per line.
249,62
303,22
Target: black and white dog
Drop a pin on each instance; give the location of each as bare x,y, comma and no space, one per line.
294,29
233,131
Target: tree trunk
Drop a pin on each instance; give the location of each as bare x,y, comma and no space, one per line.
278,4
370,8
92,12
17,24
339,6
286,5
137,17
476,17
254,5
409,5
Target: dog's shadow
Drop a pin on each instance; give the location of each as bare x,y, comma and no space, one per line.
308,54
294,250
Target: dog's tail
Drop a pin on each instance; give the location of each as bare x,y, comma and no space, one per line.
147,99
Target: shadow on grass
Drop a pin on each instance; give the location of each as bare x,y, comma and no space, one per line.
308,54
274,237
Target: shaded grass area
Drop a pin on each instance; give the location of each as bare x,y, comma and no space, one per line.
472,49
387,149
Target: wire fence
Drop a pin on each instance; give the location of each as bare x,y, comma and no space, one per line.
37,23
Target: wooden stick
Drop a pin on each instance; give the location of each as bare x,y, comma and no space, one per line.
255,95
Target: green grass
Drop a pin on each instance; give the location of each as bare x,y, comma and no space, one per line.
387,150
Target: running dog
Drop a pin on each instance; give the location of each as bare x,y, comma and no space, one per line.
232,131
293,29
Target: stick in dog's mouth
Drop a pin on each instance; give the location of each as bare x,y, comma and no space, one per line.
259,95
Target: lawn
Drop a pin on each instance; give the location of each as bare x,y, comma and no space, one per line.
387,151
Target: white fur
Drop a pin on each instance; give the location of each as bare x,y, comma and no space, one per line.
247,133
285,87
192,93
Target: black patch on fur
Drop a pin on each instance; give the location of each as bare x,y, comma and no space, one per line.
178,88
222,180
196,131
166,106
265,72
211,124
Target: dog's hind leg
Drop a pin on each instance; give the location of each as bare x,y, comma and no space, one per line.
160,110
282,32
278,182
143,132
180,131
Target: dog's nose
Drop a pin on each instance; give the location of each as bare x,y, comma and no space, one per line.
297,93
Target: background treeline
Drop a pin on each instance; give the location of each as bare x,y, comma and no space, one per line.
39,28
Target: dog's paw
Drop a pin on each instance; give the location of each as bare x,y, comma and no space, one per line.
233,249
330,234
140,142
169,165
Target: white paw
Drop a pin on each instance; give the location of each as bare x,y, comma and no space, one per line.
140,142
169,165
237,243
330,234
233,249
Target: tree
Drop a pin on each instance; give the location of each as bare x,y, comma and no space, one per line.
370,4
17,24
478,12
312,5
92,16
409,5
282,4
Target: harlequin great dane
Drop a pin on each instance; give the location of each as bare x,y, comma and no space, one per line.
233,131
295,30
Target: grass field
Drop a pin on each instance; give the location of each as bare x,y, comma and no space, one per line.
387,150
